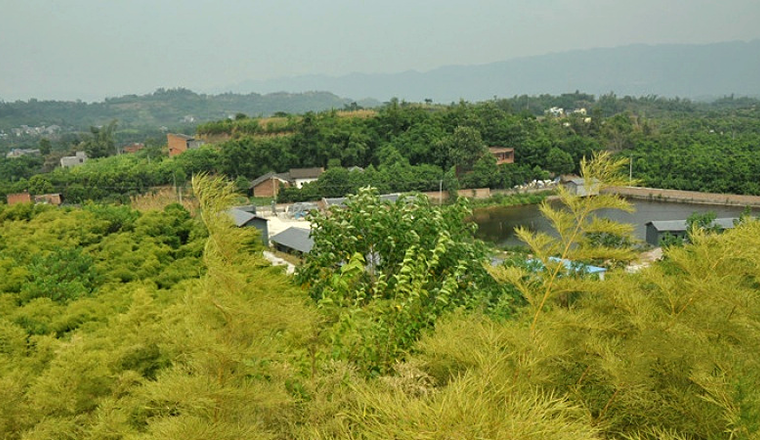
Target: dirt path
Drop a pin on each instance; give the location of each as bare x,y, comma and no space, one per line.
280,222
672,195
645,260
277,261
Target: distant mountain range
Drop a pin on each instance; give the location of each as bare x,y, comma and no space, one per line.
687,71
684,70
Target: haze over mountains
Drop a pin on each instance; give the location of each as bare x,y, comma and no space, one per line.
684,70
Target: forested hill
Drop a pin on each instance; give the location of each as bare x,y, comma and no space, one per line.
162,108
692,71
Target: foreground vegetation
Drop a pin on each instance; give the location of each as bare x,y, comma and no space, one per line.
121,324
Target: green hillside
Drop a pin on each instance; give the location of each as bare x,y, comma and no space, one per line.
170,108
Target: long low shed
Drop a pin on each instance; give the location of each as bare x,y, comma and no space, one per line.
293,240
656,230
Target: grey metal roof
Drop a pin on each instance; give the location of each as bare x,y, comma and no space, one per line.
261,178
295,238
680,225
183,136
281,176
335,201
306,173
241,218
247,208
726,223
580,181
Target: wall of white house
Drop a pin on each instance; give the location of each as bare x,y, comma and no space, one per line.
300,182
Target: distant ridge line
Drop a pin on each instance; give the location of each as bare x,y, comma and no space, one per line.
668,70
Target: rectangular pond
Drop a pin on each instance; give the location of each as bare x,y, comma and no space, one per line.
497,224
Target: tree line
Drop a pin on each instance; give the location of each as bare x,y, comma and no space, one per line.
670,143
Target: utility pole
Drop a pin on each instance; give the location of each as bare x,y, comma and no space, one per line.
176,188
440,192
630,170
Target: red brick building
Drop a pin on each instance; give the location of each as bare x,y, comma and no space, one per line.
23,197
503,155
179,143
268,185
132,148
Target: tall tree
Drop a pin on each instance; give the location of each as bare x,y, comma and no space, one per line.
461,149
100,142
559,162
384,272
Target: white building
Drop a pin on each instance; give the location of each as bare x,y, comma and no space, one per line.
73,161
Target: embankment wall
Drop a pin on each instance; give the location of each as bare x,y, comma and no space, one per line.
672,195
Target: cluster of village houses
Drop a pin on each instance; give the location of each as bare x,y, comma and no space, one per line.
26,130
297,240
79,158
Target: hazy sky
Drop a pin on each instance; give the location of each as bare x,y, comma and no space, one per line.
90,49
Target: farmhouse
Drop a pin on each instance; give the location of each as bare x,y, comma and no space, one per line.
73,161
179,143
300,176
503,155
268,185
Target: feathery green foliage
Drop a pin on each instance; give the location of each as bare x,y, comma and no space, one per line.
576,227
231,349
207,357
666,353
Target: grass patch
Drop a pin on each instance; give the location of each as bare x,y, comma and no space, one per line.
290,258
512,199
